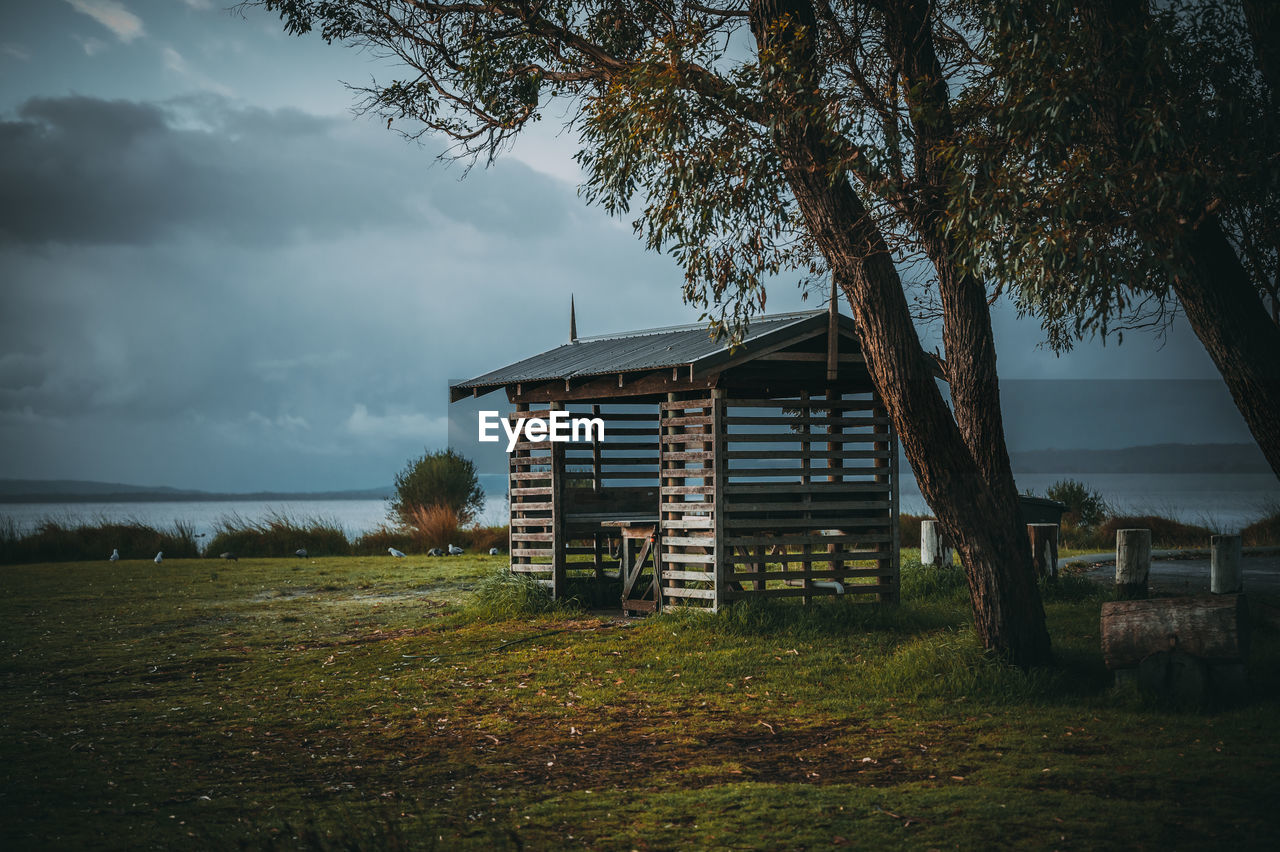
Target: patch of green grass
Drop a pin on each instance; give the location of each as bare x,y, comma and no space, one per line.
359,702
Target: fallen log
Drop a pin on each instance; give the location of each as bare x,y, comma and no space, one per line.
1214,628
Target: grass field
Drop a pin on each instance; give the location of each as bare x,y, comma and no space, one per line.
357,703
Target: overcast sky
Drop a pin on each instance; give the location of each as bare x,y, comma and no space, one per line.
215,276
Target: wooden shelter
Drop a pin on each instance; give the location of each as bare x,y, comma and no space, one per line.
767,470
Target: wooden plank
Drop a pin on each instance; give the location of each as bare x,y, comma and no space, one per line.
814,422
689,540
802,454
688,523
798,591
815,574
681,404
815,506
800,523
534,491
810,558
687,456
677,592
807,487
686,489
696,420
799,540
520,551
527,536
670,443
800,437
689,558
530,475
696,576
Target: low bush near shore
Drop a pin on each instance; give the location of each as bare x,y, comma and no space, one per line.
65,541
278,534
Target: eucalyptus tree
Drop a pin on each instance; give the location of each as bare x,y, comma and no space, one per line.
749,139
1122,160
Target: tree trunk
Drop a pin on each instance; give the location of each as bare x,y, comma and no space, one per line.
1221,303
1227,315
985,525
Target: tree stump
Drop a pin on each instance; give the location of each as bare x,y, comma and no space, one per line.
1133,563
1226,574
1044,549
934,550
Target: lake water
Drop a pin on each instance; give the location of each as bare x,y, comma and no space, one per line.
1222,502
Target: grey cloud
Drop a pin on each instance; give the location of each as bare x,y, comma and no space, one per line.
83,170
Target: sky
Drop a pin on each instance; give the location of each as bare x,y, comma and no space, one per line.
215,275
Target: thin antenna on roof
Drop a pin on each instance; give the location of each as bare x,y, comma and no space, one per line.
833,332
573,322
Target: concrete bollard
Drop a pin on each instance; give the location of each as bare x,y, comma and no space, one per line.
934,550
1133,563
1226,575
1044,549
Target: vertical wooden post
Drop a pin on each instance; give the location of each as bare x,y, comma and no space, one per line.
596,558
806,428
513,503
884,563
719,497
1044,549
895,529
559,559
1133,563
1226,575
665,479
935,552
834,464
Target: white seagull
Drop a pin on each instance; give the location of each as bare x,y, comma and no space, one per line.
159,557
115,554
397,554
493,551
455,551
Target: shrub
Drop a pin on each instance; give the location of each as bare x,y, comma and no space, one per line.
505,595
276,535
376,542
61,541
1265,531
1164,532
909,529
480,539
441,478
1084,507
433,526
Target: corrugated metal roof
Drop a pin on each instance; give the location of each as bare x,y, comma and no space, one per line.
650,349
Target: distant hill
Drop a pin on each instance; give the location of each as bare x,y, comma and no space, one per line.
1155,458
86,491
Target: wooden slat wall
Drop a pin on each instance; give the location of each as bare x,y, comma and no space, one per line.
688,495
810,495
544,540
530,484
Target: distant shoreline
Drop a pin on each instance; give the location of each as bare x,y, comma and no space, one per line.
173,496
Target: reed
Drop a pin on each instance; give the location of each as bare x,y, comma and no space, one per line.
278,534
